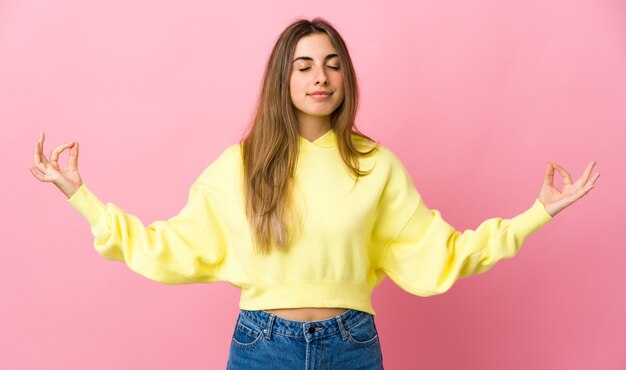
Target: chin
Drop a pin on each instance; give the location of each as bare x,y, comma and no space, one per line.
320,112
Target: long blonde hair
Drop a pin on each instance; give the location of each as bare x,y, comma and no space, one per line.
270,148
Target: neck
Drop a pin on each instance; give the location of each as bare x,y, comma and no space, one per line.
312,127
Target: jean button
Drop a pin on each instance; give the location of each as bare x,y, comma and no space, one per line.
311,330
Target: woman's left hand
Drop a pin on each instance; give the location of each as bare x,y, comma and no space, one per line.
554,200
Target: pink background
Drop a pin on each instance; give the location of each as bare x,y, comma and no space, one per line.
474,97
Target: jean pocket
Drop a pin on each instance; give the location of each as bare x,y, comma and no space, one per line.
246,334
363,333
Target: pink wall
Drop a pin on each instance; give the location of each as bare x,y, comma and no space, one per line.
473,97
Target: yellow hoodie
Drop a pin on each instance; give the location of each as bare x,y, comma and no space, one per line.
350,235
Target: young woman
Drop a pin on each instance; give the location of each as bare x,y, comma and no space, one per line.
306,215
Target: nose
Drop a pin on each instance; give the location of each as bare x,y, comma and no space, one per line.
321,77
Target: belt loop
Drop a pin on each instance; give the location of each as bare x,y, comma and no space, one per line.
268,329
342,329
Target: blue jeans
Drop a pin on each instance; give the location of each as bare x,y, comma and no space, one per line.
261,340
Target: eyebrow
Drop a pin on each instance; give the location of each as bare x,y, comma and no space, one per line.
309,58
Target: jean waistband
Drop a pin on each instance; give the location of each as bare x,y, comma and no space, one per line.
270,323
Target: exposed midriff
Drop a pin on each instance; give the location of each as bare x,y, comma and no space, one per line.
307,314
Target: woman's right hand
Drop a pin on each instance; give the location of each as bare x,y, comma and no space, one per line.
66,179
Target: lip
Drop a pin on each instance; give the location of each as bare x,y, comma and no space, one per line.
320,94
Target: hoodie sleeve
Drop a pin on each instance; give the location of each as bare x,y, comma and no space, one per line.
425,255
189,247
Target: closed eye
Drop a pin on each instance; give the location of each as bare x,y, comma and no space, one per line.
304,69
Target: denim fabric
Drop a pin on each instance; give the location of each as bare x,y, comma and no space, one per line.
261,340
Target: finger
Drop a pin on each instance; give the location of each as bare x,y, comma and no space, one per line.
54,155
585,177
549,175
32,171
40,160
36,157
567,179
36,154
38,174
590,184
73,160
42,140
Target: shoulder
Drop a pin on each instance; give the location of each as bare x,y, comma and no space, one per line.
382,155
383,161
229,157
380,151
389,163
225,166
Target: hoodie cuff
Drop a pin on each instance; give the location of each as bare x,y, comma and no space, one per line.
530,220
92,209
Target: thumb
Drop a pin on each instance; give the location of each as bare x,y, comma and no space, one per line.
73,159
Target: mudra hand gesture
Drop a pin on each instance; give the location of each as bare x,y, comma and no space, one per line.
66,179
553,199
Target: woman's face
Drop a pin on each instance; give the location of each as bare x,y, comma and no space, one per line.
315,68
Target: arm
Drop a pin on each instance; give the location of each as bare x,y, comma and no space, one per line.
186,248
424,254
189,247
428,256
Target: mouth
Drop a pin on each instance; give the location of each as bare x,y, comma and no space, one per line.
320,95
